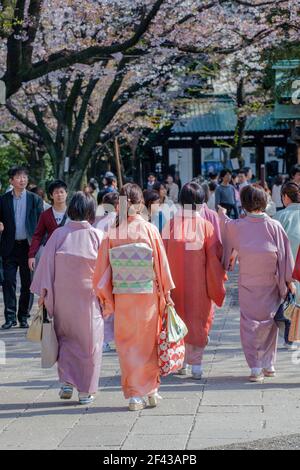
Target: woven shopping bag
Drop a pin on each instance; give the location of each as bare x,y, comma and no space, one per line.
34,332
294,334
170,354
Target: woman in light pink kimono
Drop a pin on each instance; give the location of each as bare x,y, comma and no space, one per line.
64,282
133,280
265,275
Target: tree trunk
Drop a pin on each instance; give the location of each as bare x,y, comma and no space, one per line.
240,130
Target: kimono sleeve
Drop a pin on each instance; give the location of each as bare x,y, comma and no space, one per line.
39,234
103,279
229,241
215,274
44,276
285,260
161,265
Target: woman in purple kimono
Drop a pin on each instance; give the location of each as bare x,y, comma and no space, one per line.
64,282
265,275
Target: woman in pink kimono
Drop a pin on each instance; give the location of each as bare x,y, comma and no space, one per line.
64,282
133,280
265,275
195,256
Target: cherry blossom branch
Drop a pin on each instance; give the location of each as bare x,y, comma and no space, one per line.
66,58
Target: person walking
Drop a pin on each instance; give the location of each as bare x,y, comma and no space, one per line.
265,276
276,193
295,173
50,220
172,189
133,281
195,259
151,181
64,282
225,195
167,208
19,214
289,218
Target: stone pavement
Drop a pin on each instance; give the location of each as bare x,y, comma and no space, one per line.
220,410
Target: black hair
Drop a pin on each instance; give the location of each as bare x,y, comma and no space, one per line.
205,188
158,184
15,170
212,186
111,198
295,169
101,195
92,185
56,184
110,179
82,207
192,194
224,172
150,196
292,190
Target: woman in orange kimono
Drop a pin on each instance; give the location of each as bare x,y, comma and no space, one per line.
133,280
194,251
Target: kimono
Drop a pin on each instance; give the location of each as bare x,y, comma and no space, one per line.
66,271
195,255
265,268
137,315
213,218
290,221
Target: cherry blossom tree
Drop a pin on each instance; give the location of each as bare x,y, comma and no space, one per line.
75,71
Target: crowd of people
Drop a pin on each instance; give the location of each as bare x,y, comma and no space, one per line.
105,272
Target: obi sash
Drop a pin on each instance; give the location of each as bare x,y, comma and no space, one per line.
132,269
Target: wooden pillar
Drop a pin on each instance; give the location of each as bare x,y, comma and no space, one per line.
118,163
260,157
196,158
298,152
165,157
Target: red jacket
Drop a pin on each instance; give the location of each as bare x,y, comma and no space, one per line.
46,226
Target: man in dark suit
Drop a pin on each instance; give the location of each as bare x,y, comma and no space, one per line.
19,214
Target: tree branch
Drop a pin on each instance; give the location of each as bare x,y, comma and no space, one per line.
34,12
23,119
21,134
81,116
89,55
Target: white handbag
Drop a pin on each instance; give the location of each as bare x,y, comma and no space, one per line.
49,353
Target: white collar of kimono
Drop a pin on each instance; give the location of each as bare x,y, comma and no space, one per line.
257,216
82,223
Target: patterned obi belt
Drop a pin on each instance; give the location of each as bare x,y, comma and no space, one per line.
132,269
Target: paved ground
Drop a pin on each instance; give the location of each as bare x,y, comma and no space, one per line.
220,411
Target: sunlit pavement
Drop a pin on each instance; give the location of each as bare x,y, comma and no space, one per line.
220,410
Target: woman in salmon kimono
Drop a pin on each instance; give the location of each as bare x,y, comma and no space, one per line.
265,275
195,255
64,282
133,280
